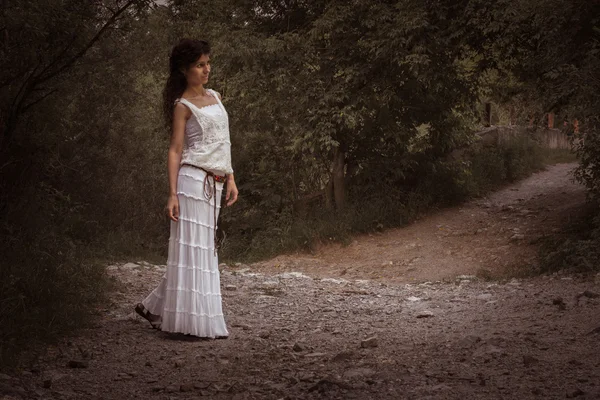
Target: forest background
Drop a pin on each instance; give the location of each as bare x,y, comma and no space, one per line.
345,117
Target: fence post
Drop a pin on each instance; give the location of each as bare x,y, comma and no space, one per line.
550,120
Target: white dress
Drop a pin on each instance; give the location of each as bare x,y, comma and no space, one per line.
188,297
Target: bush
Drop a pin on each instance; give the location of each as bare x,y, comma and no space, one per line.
46,292
483,168
588,150
576,248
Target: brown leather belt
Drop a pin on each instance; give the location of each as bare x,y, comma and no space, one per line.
211,195
217,178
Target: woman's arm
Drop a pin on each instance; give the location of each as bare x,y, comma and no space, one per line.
232,191
180,116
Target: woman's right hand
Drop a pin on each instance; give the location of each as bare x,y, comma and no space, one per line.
173,207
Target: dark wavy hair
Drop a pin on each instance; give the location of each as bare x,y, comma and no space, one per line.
184,54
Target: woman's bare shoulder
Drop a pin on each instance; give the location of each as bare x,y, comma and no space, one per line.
181,110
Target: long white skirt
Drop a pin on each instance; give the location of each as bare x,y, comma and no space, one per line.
188,297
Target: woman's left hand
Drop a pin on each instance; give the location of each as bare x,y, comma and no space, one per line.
232,191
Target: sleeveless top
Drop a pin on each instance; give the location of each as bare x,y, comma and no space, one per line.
206,143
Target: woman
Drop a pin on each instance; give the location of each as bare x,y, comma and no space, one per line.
188,299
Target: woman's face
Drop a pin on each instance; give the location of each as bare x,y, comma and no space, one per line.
197,73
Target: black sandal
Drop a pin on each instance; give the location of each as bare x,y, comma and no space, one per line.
147,315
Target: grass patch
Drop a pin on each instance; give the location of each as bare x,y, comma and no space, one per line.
558,156
576,248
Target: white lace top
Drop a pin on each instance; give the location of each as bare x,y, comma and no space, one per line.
207,142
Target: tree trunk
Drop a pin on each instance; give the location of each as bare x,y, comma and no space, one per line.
329,194
337,177
487,117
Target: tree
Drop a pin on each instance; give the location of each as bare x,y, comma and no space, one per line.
37,49
60,63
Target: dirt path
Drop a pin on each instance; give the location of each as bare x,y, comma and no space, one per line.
330,334
486,237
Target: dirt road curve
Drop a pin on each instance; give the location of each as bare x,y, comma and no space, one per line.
328,334
486,236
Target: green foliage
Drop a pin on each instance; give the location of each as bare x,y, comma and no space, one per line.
67,150
544,56
492,166
49,282
479,170
588,150
576,248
